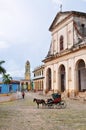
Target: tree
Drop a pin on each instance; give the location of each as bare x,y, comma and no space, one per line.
2,70
6,78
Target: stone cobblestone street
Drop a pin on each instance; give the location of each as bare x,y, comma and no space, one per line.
23,114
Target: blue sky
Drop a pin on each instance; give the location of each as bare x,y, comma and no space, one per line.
24,33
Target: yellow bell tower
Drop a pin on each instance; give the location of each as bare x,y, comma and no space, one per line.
26,82
27,70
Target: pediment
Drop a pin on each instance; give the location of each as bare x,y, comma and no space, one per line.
59,18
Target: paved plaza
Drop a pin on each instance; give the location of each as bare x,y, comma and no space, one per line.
23,114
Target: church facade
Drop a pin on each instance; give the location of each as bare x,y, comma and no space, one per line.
65,63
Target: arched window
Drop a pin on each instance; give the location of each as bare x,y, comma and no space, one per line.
61,43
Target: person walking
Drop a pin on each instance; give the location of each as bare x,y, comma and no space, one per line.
23,94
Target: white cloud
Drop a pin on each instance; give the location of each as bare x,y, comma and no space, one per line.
84,0
16,73
14,69
16,20
57,1
4,44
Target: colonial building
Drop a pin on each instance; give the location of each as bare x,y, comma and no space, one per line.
26,83
13,86
38,80
65,63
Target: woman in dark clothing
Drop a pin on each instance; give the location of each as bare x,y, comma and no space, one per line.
23,94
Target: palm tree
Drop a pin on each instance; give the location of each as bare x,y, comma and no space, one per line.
2,70
6,78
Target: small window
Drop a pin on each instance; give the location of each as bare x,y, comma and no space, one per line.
61,43
82,25
83,29
42,72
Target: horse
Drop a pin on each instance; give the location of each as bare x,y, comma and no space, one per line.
39,101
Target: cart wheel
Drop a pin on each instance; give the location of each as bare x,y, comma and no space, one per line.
57,106
50,106
63,104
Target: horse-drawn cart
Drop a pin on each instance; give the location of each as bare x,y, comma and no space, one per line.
54,102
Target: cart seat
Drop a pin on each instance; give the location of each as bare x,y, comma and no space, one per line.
56,95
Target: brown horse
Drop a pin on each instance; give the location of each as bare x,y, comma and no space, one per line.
39,101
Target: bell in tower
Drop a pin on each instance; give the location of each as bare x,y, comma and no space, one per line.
27,70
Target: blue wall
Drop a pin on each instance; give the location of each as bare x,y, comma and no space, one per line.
7,88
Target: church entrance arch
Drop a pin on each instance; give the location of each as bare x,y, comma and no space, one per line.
81,78
48,77
62,77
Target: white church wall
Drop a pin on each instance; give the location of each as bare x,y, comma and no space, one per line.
70,35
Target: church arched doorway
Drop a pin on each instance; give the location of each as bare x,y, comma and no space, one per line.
81,70
62,77
48,82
